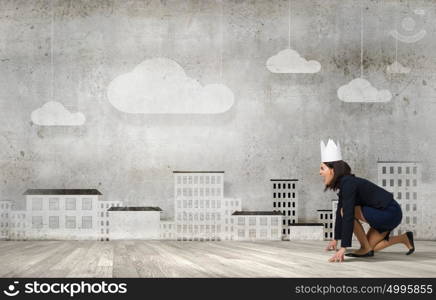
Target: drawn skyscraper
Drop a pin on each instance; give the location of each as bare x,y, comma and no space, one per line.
325,216
403,178
285,200
201,214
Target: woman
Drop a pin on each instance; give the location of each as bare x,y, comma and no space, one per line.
360,201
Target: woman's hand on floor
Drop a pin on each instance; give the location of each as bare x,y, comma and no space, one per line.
331,245
338,256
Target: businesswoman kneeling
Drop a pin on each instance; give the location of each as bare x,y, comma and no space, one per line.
360,200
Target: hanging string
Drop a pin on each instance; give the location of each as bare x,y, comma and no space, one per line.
289,25
222,39
361,40
51,51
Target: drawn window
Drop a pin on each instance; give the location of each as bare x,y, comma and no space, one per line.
36,203
70,203
86,204
274,221
86,222
53,222
70,222
53,203
37,222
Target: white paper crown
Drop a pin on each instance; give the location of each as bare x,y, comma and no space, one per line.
331,152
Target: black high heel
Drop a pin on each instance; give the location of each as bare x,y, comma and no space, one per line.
410,237
369,254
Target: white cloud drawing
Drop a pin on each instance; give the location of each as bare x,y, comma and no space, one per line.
289,61
361,90
54,113
161,86
397,68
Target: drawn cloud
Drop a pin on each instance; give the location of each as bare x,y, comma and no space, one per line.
361,90
397,68
161,86
289,61
54,113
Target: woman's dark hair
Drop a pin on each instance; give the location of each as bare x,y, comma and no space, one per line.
340,168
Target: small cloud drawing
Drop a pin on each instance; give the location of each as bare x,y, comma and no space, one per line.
161,86
54,113
397,68
361,90
289,61
419,11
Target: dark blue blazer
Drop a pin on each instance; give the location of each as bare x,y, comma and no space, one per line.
354,191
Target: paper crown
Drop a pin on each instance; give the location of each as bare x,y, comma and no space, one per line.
331,152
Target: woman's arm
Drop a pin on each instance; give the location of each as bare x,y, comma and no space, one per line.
338,222
349,189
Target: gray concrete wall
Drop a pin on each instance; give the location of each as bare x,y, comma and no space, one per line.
71,51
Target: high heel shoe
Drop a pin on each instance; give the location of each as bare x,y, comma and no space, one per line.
410,237
369,254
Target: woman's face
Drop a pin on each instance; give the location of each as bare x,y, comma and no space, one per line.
326,173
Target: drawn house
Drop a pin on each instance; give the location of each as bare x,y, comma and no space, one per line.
257,225
134,223
403,179
285,200
325,216
62,213
306,231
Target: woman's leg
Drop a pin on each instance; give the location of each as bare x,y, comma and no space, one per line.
359,232
392,241
374,237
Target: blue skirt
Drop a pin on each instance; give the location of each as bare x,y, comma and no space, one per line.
385,219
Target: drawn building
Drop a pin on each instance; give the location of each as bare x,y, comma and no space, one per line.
427,197
62,213
230,205
285,200
134,223
201,212
103,217
18,225
325,217
306,231
403,179
167,229
257,225
5,212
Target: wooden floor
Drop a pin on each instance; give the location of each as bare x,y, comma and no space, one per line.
205,259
